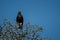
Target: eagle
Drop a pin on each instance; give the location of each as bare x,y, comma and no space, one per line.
19,20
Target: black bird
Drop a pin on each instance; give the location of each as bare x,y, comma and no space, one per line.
19,20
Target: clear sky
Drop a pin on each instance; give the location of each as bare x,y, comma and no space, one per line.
40,12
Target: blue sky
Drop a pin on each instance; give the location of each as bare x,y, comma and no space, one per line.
41,12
